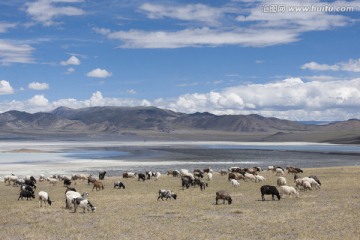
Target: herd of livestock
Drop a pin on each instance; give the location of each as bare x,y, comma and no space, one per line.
196,178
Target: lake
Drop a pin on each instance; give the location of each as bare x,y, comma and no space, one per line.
55,157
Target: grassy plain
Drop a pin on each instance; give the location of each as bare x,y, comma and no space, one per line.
333,212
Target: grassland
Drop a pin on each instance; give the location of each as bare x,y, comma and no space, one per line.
333,212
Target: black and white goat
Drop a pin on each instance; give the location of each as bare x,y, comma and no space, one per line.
83,203
167,194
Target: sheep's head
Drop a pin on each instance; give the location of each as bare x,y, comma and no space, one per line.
174,196
229,200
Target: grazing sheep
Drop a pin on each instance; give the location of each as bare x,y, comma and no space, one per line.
141,176
281,181
129,175
225,196
70,189
234,183
315,178
249,176
269,190
223,172
288,190
209,176
26,194
52,181
279,172
157,176
236,176
167,194
208,170
259,178
186,182
119,185
83,203
186,173
307,185
70,195
44,197
28,188
98,185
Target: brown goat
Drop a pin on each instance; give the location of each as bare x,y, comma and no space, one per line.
98,185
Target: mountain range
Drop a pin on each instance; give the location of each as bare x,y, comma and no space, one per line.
156,122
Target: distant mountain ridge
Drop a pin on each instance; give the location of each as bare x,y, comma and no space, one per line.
114,120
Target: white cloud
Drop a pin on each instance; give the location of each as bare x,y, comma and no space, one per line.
38,101
71,61
99,73
131,91
5,26
5,87
353,65
14,52
218,26
38,86
189,12
44,11
70,71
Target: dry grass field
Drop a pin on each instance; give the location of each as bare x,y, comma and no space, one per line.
333,212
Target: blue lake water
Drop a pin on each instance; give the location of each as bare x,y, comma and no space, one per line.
118,157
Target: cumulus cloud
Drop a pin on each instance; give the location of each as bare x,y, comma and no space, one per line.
5,26
38,101
38,86
99,73
71,61
5,87
44,11
291,98
70,71
352,65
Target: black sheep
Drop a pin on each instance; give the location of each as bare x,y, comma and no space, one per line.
30,183
67,182
269,190
102,175
141,176
186,182
119,185
26,194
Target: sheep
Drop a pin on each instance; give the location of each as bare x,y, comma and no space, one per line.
167,194
10,179
209,176
119,185
42,178
70,195
223,172
148,174
208,170
67,182
307,185
288,190
102,175
259,178
129,175
98,185
44,197
70,189
234,183
225,196
186,182
83,203
157,176
28,188
185,172
249,176
52,181
26,194
141,176
281,181
91,179
236,176
300,182
279,172
269,190
315,178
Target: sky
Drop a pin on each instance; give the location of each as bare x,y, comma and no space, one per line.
291,59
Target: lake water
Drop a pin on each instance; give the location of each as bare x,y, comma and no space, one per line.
38,158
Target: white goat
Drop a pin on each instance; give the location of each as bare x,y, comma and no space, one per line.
287,190
281,181
157,176
44,197
259,178
249,176
234,183
70,195
279,172
209,176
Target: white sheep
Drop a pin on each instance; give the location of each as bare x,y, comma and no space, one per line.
185,172
312,182
259,178
157,176
307,185
279,172
287,190
234,183
209,176
281,181
44,197
249,176
52,181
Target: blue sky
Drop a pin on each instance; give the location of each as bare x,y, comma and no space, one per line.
297,60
